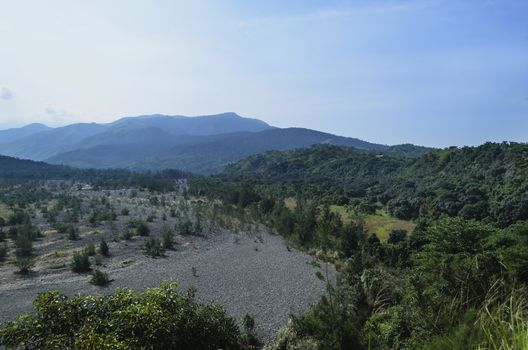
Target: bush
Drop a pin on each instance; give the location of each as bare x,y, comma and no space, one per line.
80,262
24,264
142,229
103,248
90,249
125,212
100,278
167,238
159,318
185,228
153,247
24,242
73,233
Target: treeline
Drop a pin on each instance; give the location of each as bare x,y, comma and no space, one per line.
14,171
487,183
458,281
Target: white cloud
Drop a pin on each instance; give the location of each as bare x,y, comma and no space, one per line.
5,93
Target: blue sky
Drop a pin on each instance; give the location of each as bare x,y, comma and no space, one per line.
431,72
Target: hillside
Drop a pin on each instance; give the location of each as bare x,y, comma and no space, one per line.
13,134
203,144
487,182
210,154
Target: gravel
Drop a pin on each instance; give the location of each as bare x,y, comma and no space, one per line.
244,274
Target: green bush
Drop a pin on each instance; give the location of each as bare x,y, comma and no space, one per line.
24,264
24,242
159,318
90,249
153,247
81,262
167,237
73,233
104,250
100,278
142,228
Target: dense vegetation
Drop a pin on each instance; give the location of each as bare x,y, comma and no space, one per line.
487,183
458,281
159,318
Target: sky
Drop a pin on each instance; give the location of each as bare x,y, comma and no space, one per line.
430,72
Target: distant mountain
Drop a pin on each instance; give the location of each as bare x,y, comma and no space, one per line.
48,143
152,129
203,144
203,125
14,134
210,154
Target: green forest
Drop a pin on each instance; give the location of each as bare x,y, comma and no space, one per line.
448,270
456,281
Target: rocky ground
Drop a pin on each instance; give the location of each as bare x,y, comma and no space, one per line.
252,274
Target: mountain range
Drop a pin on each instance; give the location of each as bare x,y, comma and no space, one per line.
201,144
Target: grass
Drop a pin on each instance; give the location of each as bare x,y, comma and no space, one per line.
380,223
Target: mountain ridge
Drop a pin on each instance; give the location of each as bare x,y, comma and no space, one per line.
201,144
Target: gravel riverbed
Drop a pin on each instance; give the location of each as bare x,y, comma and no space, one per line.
244,274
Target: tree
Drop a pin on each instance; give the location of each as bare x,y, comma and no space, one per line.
159,318
142,228
167,237
104,250
80,262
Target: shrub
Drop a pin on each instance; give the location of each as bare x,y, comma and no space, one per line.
185,228
80,262
103,248
153,247
167,238
100,278
251,338
142,229
24,243
24,264
73,233
159,318
90,249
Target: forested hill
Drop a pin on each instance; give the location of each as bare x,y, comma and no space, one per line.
20,168
488,182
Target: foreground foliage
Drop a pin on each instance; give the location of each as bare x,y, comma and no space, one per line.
159,318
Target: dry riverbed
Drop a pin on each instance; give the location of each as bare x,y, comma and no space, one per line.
246,274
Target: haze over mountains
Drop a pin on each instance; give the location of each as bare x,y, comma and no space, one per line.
202,144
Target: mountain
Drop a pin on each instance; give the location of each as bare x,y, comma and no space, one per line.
202,125
47,143
10,135
147,130
202,144
205,154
